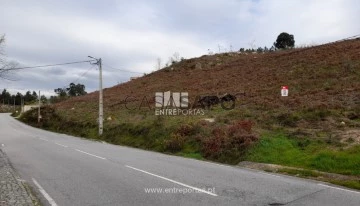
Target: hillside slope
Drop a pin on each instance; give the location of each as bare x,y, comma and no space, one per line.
319,119
325,76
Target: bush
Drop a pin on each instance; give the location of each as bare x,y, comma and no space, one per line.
287,119
316,114
175,143
213,145
227,144
186,130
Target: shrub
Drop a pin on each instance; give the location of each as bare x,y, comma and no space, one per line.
227,141
186,130
287,119
175,143
240,135
316,114
241,126
213,145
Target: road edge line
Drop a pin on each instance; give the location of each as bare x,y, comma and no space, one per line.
44,193
103,158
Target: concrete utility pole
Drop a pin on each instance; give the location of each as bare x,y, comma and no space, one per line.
101,104
39,116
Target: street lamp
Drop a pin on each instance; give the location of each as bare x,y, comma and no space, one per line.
101,106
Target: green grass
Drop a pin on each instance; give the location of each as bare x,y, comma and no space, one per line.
305,153
351,183
299,172
161,134
194,155
355,184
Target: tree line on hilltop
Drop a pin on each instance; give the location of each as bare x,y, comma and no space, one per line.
283,41
32,97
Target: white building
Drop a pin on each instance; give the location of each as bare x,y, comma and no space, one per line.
29,107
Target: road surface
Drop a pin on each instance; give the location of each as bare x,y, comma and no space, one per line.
66,170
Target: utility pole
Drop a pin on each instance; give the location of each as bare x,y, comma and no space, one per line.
101,104
39,116
14,103
22,105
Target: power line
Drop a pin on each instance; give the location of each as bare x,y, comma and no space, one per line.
52,91
67,63
83,74
123,70
49,65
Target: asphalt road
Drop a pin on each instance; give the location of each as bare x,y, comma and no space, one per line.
66,170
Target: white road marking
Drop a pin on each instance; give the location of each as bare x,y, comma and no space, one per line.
103,158
44,193
264,173
212,163
61,145
338,188
173,181
43,139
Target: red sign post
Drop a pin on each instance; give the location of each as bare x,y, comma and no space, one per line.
284,91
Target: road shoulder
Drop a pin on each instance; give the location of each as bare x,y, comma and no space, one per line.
13,190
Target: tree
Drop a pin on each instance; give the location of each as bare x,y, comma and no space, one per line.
6,67
171,61
5,96
18,98
75,90
34,95
61,92
176,57
2,41
272,49
259,50
158,64
43,99
53,99
30,97
284,41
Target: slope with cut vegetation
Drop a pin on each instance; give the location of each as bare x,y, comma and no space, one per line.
315,127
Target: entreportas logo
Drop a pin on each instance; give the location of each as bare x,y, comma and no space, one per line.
174,104
178,103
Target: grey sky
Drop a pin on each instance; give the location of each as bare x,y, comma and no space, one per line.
131,35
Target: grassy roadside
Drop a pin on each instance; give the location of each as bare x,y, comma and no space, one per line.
353,183
337,179
312,159
227,140
193,138
306,153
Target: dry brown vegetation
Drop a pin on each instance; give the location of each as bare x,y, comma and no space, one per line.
320,79
322,107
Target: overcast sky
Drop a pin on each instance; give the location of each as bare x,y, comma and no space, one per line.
131,35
